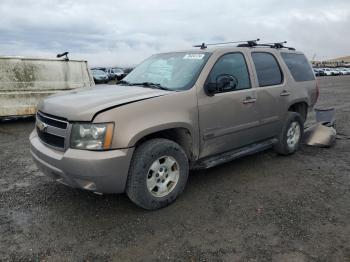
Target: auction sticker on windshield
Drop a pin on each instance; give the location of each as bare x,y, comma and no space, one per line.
194,56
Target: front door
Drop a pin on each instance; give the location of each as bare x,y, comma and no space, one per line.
228,119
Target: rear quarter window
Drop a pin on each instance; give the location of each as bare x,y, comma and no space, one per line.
298,66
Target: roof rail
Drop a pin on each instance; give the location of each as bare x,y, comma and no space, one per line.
277,45
247,43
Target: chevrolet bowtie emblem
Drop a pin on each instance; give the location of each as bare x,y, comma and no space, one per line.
42,126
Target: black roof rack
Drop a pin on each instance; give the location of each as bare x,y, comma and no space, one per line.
278,45
249,43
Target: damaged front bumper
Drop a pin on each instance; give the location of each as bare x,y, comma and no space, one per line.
102,172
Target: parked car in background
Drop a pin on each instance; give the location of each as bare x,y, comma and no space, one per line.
112,72
335,72
104,69
338,71
316,72
343,70
330,72
319,72
118,73
347,70
99,76
326,71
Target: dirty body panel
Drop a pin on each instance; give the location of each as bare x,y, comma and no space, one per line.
85,103
24,82
254,113
103,172
250,116
168,110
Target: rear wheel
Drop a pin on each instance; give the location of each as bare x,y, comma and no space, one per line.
291,135
158,174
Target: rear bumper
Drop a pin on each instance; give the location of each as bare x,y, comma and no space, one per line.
103,172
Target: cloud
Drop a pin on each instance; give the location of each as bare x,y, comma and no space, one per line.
126,32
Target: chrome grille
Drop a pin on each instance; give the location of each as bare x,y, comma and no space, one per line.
51,130
51,120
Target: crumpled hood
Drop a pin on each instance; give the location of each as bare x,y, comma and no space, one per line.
82,104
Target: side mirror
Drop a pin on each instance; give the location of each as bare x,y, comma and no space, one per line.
224,83
210,88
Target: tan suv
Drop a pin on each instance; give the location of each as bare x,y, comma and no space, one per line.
175,112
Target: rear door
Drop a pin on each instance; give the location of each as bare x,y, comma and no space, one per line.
272,92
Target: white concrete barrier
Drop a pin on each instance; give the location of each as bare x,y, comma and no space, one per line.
25,81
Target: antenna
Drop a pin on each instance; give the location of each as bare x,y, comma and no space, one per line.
249,43
65,54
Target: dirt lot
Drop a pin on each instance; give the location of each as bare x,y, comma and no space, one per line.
260,208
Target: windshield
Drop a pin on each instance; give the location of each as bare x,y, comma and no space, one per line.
173,71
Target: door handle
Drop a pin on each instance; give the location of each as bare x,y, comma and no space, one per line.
249,100
284,93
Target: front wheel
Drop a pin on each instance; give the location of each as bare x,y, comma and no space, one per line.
291,135
158,174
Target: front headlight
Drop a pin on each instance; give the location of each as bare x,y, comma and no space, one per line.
92,136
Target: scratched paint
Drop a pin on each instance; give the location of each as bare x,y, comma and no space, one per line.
24,82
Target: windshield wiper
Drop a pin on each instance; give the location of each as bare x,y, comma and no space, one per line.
151,85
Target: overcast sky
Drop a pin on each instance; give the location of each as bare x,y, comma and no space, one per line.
114,32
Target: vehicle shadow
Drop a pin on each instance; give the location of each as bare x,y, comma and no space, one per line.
200,184
19,119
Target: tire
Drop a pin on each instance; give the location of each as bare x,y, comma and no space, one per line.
288,144
158,174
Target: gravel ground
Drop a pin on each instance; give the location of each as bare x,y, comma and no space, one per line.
261,208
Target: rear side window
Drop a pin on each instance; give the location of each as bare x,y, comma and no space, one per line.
267,69
298,66
232,64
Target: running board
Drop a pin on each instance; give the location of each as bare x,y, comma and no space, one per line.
234,154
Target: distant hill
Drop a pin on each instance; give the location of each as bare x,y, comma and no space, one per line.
344,59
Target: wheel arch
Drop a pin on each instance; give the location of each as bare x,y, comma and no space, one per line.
300,107
181,135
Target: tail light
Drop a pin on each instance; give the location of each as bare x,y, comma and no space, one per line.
317,91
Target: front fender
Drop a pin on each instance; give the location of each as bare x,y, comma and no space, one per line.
155,129
137,120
